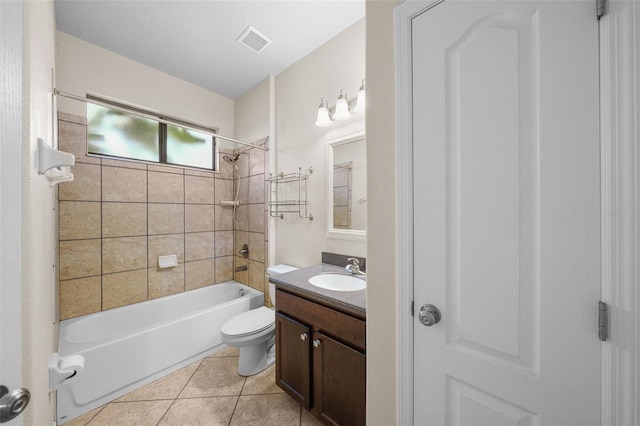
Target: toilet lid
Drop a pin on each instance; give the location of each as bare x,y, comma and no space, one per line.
249,322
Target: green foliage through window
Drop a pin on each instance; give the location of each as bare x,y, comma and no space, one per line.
114,133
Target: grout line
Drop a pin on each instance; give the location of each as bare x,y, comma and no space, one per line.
95,415
166,411
178,395
237,401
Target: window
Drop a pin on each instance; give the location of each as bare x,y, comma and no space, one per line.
116,133
189,147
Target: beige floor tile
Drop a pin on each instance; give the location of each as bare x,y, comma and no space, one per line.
308,419
274,409
262,383
131,413
228,351
168,387
215,377
201,411
85,418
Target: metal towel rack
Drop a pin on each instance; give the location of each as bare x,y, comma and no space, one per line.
283,198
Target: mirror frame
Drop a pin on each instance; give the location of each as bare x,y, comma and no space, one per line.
343,234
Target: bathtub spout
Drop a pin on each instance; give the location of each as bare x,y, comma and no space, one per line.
64,370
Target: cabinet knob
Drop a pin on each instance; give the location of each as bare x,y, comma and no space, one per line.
316,343
304,336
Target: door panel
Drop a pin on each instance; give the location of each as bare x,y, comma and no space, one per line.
506,196
493,173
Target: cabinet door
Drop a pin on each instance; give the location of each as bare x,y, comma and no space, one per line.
293,361
339,382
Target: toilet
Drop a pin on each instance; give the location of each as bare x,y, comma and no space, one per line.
254,332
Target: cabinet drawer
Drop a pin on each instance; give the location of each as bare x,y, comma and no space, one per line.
342,327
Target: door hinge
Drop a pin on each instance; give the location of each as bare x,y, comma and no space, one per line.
603,321
601,8
412,314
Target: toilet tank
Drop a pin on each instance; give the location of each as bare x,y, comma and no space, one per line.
273,271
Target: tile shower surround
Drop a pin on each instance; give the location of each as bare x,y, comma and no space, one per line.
117,217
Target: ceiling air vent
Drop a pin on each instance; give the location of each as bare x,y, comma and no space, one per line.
251,38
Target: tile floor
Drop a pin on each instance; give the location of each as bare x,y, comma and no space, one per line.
207,392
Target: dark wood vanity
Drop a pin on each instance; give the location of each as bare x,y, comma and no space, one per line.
321,357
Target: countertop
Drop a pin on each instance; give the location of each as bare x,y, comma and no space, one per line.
297,282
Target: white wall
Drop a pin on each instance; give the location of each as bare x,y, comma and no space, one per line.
338,64
382,286
252,113
82,68
38,218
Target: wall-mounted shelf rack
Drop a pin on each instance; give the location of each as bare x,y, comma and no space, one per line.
288,194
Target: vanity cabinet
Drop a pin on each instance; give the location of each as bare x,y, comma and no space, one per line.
320,359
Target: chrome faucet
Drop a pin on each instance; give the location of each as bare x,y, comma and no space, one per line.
354,266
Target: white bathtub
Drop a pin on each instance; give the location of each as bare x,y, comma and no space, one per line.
127,347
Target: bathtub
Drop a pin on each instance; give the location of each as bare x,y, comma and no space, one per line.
127,347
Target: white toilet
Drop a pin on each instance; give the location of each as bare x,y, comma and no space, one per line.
254,332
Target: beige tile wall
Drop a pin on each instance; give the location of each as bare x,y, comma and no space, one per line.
253,216
117,217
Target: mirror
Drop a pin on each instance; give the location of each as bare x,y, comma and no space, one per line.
347,187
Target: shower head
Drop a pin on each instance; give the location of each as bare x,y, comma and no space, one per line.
232,159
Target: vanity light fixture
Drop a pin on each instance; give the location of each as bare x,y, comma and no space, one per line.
323,119
343,109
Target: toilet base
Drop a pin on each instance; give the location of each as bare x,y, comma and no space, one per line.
256,358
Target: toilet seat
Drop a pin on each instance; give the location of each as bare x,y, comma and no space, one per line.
249,322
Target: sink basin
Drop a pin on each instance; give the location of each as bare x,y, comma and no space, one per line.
338,282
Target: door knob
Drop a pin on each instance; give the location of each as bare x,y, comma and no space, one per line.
429,315
13,403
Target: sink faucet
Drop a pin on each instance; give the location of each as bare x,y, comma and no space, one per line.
354,266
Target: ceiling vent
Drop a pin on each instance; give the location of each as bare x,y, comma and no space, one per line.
251,38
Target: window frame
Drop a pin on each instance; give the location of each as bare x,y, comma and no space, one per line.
163,121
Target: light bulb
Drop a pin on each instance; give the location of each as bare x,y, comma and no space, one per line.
342,107
323,119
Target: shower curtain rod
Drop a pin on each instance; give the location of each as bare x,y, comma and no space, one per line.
160,119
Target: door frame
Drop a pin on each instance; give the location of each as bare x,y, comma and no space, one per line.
619,146
403,15
11,145
620,143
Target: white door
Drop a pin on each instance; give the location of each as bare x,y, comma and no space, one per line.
10,197
506,208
